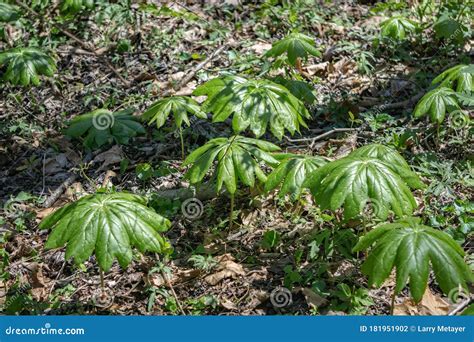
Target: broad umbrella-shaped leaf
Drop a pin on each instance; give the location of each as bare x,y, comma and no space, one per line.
255,104
25,65
410,247
292,172
8,12
393,159
295,45
179,106
397,27
109,225
459,77
237,159
436,103
102,127
354,182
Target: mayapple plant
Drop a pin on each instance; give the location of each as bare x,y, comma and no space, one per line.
179,106
296,46
109,224
374,175
411,247
102,126
254,104
238,159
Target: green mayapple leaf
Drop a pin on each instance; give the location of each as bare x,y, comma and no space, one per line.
459,77
436,103
449,28
291,173
74,6
397,27
237,159
393,159
110,225
296,45
255,104
354,182
102,127
8,12
179,106
25,65
410,247
300,89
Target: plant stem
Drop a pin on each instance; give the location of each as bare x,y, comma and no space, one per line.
182,141
231,214
102,281
392,304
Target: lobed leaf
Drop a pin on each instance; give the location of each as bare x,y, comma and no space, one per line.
410,247
109,225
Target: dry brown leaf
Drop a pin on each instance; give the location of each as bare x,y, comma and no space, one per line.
430,304
178,277
227,268
110,157
260,48
312,298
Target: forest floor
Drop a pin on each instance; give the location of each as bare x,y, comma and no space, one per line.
363,94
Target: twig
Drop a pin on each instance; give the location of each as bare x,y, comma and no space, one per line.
76,39
189,76
165,277
319,137
460,307
59,190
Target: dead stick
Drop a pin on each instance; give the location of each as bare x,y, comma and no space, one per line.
189,76
78,40
319,137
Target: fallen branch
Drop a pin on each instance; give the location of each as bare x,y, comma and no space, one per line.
76,39
321,136
189,76
59,191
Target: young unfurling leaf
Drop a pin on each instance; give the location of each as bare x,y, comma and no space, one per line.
296,45
110,225
179,106
411,247
397,27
